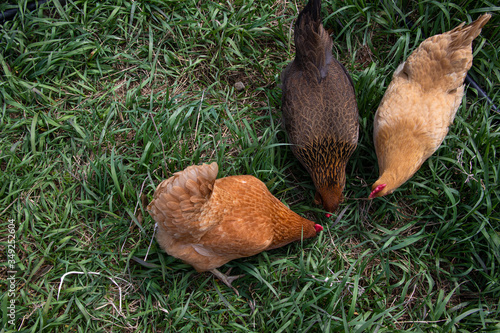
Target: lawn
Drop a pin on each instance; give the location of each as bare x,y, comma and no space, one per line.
100,101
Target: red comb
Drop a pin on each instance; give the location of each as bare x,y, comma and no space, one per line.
376,190
318,228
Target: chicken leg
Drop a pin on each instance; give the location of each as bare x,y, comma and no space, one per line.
226,278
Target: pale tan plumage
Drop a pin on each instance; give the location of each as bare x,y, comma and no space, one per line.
207,222
420,104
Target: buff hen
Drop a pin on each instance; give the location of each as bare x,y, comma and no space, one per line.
320,112
420,104
207,222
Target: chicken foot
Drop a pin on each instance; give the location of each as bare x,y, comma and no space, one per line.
226,278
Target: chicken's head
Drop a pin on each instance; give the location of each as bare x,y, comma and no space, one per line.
329,197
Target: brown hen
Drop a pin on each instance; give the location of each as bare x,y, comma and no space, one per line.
420,104
207,222
320,112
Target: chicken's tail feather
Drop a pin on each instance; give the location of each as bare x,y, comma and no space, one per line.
466,34
443,60
312,41
180,198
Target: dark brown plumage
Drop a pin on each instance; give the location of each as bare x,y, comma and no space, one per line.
320,112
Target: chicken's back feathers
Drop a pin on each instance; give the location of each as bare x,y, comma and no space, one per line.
420,104
319,107
208,222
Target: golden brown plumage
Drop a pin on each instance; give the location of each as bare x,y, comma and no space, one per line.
420,104
320,112
207,222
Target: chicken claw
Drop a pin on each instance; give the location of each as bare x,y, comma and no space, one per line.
226,278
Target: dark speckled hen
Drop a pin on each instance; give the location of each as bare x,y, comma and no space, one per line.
320,112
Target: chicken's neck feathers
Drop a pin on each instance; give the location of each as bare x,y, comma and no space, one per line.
399,159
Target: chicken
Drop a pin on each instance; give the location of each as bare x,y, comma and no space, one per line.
420,104
207,222
320,112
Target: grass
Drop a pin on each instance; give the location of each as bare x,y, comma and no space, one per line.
101,101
